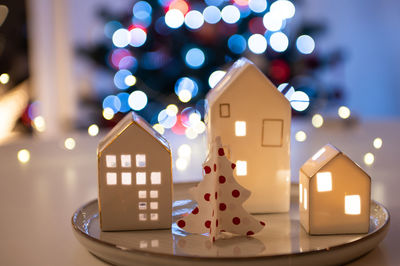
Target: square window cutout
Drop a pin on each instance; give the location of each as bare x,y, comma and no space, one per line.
153,194
142,205
140,160
241,168
154,205
155,243
111,161
143,244
142,194
126,178
155,178
142,217
111,178
352,204
240,128
154,216
324,181
140,178
224,110
126,160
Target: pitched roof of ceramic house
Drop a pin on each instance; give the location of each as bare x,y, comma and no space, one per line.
130,119
233,73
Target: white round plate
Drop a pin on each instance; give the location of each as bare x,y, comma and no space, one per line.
283,241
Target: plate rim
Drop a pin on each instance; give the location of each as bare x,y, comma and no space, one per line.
143,252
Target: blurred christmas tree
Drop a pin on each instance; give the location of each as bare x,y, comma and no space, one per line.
165,55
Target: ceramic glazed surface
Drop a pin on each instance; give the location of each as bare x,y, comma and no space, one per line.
282,241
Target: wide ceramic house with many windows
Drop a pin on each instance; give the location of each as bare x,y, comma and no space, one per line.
135,177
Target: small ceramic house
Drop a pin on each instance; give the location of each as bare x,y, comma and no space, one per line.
135,179
334,194
253,120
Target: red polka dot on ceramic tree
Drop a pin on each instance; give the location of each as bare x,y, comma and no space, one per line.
235,193
222,179
221,152
195,210
207,169
207,196
222,206
236,220
207,224
181,223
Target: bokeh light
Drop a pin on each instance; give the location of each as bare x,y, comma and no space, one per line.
230,14
369,158
108,113
283,8
299,101
174,18
184,151
120,79
39,123
257,43
172,110
93,130
137,100
195,58
237,44
378,142
111,27
344,112
212,14
23,156
121,38
4,78
142,10
69,143
112,102
215,77
166,120
258,6
300,136
159,128
272,21
138,37
317,120
187,84
305,44
180,5
190,133
194,19
181,164
185,96
279,42
130,80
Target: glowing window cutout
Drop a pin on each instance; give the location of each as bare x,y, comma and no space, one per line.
324,181
111,178
142,217
140,178
155,243
241,168
352,204
318,154
155,178
240,128
154,205
111,161
154,216
153,194
301,193
143,244
140,160
305,199
126,160
142,194
126,178
142,205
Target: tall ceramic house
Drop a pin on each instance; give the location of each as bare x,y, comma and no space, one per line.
253,119
135,177
334,194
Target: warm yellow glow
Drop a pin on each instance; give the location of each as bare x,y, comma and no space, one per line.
181,164
241,168
39,123
194,118
317,120
93,130
240,128
159,128
344,112
126,178
369,158
111,178
352,204
4,78
108,113
184,151
378,143
69,143
130,80
324,181
190,133
318,154
185,96
301,193
300,136
24,156
199,127
305,199
172,110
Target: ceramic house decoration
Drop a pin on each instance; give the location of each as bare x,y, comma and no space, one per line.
334,194
134,176
250,114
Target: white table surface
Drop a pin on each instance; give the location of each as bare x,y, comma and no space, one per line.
38,198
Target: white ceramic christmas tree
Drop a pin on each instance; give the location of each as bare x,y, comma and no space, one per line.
219,198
